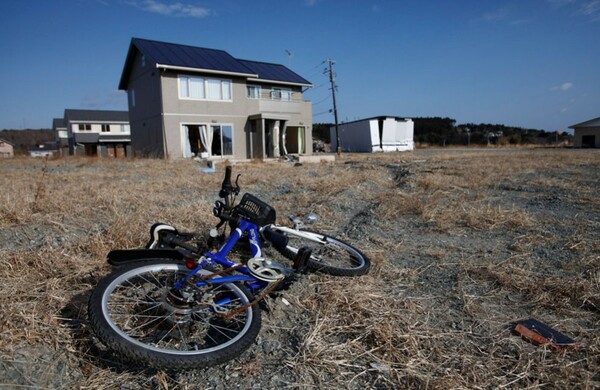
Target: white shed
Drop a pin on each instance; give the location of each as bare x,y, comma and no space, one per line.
587,134
377,134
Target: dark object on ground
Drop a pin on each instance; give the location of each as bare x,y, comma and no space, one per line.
541,334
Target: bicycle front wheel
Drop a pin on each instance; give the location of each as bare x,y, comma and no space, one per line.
136,312
329,255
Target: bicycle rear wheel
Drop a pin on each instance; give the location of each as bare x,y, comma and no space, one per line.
136,312
329,254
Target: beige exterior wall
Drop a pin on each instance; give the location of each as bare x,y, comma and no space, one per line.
580,132
6,150
179,112
145,107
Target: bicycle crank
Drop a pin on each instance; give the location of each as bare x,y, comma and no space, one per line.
266,270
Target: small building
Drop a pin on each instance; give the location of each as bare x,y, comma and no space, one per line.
187,101
377,134
48,149
94,133
587,134
6,149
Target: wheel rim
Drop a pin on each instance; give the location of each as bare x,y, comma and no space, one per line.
327,252
140,307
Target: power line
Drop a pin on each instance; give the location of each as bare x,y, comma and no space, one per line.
322,100
316,66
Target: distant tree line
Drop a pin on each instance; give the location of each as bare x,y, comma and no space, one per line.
23,140
444,132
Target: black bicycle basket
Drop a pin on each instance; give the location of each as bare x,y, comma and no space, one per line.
254,210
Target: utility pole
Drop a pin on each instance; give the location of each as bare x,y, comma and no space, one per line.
337,130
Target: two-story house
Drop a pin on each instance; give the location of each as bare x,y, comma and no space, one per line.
187,101
94,133
6,149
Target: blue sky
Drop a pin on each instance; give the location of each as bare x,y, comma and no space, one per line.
526,63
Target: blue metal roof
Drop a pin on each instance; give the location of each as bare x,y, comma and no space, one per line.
274,72
203,59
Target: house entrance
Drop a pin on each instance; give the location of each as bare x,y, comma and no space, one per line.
295,140
91,150
588,141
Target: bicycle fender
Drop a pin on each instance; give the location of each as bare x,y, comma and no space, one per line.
120,257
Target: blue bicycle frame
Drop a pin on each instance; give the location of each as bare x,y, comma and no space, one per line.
220,257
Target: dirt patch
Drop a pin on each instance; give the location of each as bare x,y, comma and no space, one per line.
463,245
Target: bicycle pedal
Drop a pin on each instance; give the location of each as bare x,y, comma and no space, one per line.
301,259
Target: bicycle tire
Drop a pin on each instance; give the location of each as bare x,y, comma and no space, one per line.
346,259
133,313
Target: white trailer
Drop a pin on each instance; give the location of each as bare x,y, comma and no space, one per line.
377,134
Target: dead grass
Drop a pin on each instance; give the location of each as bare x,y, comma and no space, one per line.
462,244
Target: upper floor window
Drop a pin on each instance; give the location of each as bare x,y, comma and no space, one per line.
253,91
105,128
85,127
124,128
281,94
204,88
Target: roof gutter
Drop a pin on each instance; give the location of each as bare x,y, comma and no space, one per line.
257,80
201,70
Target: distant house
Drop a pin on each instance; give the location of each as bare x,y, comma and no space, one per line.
61,134
48,149
587,134
187,101
6,149
94,133
376,134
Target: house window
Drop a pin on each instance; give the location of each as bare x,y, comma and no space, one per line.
133,98
281,94
253,91
124,128
85,127
143,61
204,89
105,128
222,143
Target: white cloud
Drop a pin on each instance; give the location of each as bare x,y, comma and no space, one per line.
591,9
166,8
562,87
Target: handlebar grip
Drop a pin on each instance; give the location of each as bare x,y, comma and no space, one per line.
226,186
175,241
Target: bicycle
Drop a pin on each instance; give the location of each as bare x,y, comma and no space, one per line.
176,305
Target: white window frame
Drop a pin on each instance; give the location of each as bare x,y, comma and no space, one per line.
208,125
256,88
105,128
225,88
232,143
278,94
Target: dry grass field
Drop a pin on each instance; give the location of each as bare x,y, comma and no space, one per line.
463,245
